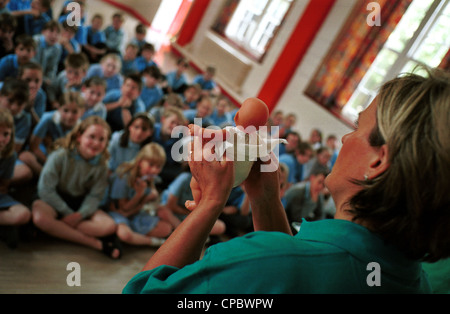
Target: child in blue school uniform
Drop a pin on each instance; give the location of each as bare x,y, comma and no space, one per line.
221,115
115,35
36,17
70,79
168,100
121,104
146,58
80,35
109,69
31,72
176,80
203,112
191,96
48,50
152,92
95,46
71,186
52,126
175,196
8,27
24,51
132,191
206,81
14,96
129,59
68,43
170,119
126,144
12,212
140,33
94,90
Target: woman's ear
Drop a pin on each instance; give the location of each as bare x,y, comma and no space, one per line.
380,163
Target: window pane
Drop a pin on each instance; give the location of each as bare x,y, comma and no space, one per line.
384,61
408,25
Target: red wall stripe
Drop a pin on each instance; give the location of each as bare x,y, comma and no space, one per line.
302,37
192,21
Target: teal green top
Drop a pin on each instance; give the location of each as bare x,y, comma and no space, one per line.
327,256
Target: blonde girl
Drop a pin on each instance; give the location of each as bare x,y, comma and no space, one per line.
12,213
132,189
71,187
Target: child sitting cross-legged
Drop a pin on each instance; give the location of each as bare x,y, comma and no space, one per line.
132,192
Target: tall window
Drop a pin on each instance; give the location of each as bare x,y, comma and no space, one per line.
422,37
253,24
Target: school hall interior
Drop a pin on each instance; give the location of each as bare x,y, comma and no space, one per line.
316,62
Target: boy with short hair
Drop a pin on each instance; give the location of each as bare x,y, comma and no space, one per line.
94,90
115,35
146,58
48,50
31,72
76,66
24,51
123,103
151,93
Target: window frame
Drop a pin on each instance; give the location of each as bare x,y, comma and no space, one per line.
431,17
242,47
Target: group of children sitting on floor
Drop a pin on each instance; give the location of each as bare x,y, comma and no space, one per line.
89,128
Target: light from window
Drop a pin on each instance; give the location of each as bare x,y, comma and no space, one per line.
422,37
255,22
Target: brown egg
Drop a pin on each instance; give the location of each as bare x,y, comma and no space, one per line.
253,112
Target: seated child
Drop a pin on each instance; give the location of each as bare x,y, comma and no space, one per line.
115,35
129,59
95,46
177,80
176,195
206,81
171,118
121,104
146,58
191,95
151,93
126,144
24,51
221,115
8,25
71,79
140,32
169,100
52,126
34,19
131,192
108,69
202,112
14,97
68,202
305,200
296,161
48,50
12,212
93,91
31,72
68,43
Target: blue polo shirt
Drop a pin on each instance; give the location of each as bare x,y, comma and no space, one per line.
327,256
